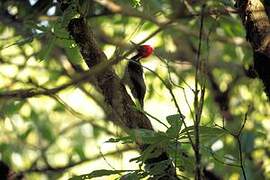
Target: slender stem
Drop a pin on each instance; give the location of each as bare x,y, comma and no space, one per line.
237,137
175,102
241,157
197,104
153,117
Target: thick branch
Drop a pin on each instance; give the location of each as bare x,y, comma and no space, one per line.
115,94
256,21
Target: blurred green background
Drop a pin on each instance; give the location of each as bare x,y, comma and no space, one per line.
64,134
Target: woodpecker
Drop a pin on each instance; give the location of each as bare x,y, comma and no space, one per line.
133,76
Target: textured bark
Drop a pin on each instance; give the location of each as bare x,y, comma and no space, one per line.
119,102
254,14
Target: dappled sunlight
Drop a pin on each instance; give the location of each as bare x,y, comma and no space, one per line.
67,112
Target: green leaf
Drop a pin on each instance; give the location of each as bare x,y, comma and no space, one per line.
59,30
98,173
73,54
146,136
136,3
79,150
39,27
25,134
69,13
54,75
59,108
97,132
12,107
46,131
180,156
25,40
79,143
124,140
45,51
172,118
158,168
131,176
152,151
176,123
207,134
43,125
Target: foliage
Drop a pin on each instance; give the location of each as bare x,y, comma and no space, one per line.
69,134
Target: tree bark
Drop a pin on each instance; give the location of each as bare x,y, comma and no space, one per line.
118,101
255,18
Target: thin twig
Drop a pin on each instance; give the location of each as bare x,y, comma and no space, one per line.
153,117
184,92
237,136
222,162
85,77
104,158
241,157
174,100
197,106
72,164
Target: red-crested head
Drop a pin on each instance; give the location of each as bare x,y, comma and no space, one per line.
144,51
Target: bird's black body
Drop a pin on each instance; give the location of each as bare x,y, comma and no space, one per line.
133,77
